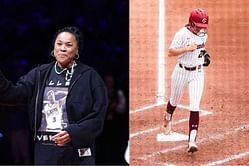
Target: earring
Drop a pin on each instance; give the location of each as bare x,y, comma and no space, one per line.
77,56
52,53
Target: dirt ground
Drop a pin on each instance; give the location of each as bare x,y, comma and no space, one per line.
223,134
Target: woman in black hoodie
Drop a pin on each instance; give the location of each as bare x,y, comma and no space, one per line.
67,103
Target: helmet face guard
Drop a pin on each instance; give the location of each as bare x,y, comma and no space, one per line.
198,20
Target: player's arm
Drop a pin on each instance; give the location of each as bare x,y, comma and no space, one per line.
178,51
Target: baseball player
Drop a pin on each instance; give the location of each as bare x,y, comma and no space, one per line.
189,46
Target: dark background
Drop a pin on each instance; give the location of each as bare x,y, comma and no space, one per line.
26,32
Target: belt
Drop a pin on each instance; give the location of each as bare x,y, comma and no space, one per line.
190,68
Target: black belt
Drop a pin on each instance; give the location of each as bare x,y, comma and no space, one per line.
190,68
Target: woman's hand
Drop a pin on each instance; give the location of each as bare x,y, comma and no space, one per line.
191,47
62,138
178,51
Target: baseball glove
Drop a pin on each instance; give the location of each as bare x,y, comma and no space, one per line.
207,59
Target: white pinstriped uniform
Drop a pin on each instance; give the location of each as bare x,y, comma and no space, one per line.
181,78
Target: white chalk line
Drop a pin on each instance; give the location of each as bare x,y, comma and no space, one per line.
202,113
216,136
243,23
227,159
161,60
213,163
161,163
149,107
146,107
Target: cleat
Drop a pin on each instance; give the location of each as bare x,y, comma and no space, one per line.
167,127
192,147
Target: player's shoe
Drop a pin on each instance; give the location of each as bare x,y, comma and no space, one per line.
167,127
192,147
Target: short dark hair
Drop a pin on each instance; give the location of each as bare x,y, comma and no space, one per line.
73,30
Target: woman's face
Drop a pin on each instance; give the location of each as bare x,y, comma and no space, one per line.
199,31
65,49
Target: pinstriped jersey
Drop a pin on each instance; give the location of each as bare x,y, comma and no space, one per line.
185,37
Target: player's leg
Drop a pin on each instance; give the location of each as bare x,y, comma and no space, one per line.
195,92
168,118
178,83
193,129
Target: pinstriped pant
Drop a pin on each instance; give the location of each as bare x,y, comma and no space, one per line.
194,80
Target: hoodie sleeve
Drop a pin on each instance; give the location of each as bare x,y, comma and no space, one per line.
16,94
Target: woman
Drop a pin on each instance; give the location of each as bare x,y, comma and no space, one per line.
64,130
188,45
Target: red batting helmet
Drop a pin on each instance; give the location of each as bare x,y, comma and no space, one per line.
199,18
